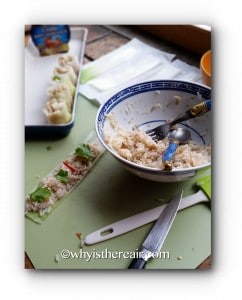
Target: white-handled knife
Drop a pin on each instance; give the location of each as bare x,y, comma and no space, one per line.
138,220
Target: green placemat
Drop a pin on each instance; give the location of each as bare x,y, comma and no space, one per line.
108,194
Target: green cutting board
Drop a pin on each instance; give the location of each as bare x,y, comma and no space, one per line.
107,194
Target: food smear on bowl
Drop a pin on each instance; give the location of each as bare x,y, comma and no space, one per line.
136,146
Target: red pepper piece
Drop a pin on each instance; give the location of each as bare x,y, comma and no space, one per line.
73,170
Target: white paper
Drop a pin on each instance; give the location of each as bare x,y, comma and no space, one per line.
130,64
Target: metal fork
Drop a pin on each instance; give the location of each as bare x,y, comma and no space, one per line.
161,131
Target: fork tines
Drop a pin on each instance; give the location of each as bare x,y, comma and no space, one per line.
154,134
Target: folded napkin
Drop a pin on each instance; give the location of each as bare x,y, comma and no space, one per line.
130,64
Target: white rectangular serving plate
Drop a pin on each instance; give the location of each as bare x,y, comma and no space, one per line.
38,73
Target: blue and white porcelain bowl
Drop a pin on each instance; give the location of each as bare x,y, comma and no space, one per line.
136,106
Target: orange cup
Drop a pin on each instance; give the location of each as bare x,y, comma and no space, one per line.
206,67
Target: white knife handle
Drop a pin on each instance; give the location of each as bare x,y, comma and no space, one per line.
139,220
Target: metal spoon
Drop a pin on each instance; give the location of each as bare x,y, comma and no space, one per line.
177,136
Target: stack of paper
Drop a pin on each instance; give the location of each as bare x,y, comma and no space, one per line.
130,64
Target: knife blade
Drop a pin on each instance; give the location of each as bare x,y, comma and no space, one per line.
155,239
130,223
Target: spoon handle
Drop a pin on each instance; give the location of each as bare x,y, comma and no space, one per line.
168,155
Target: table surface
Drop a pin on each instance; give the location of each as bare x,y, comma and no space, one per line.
104,39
